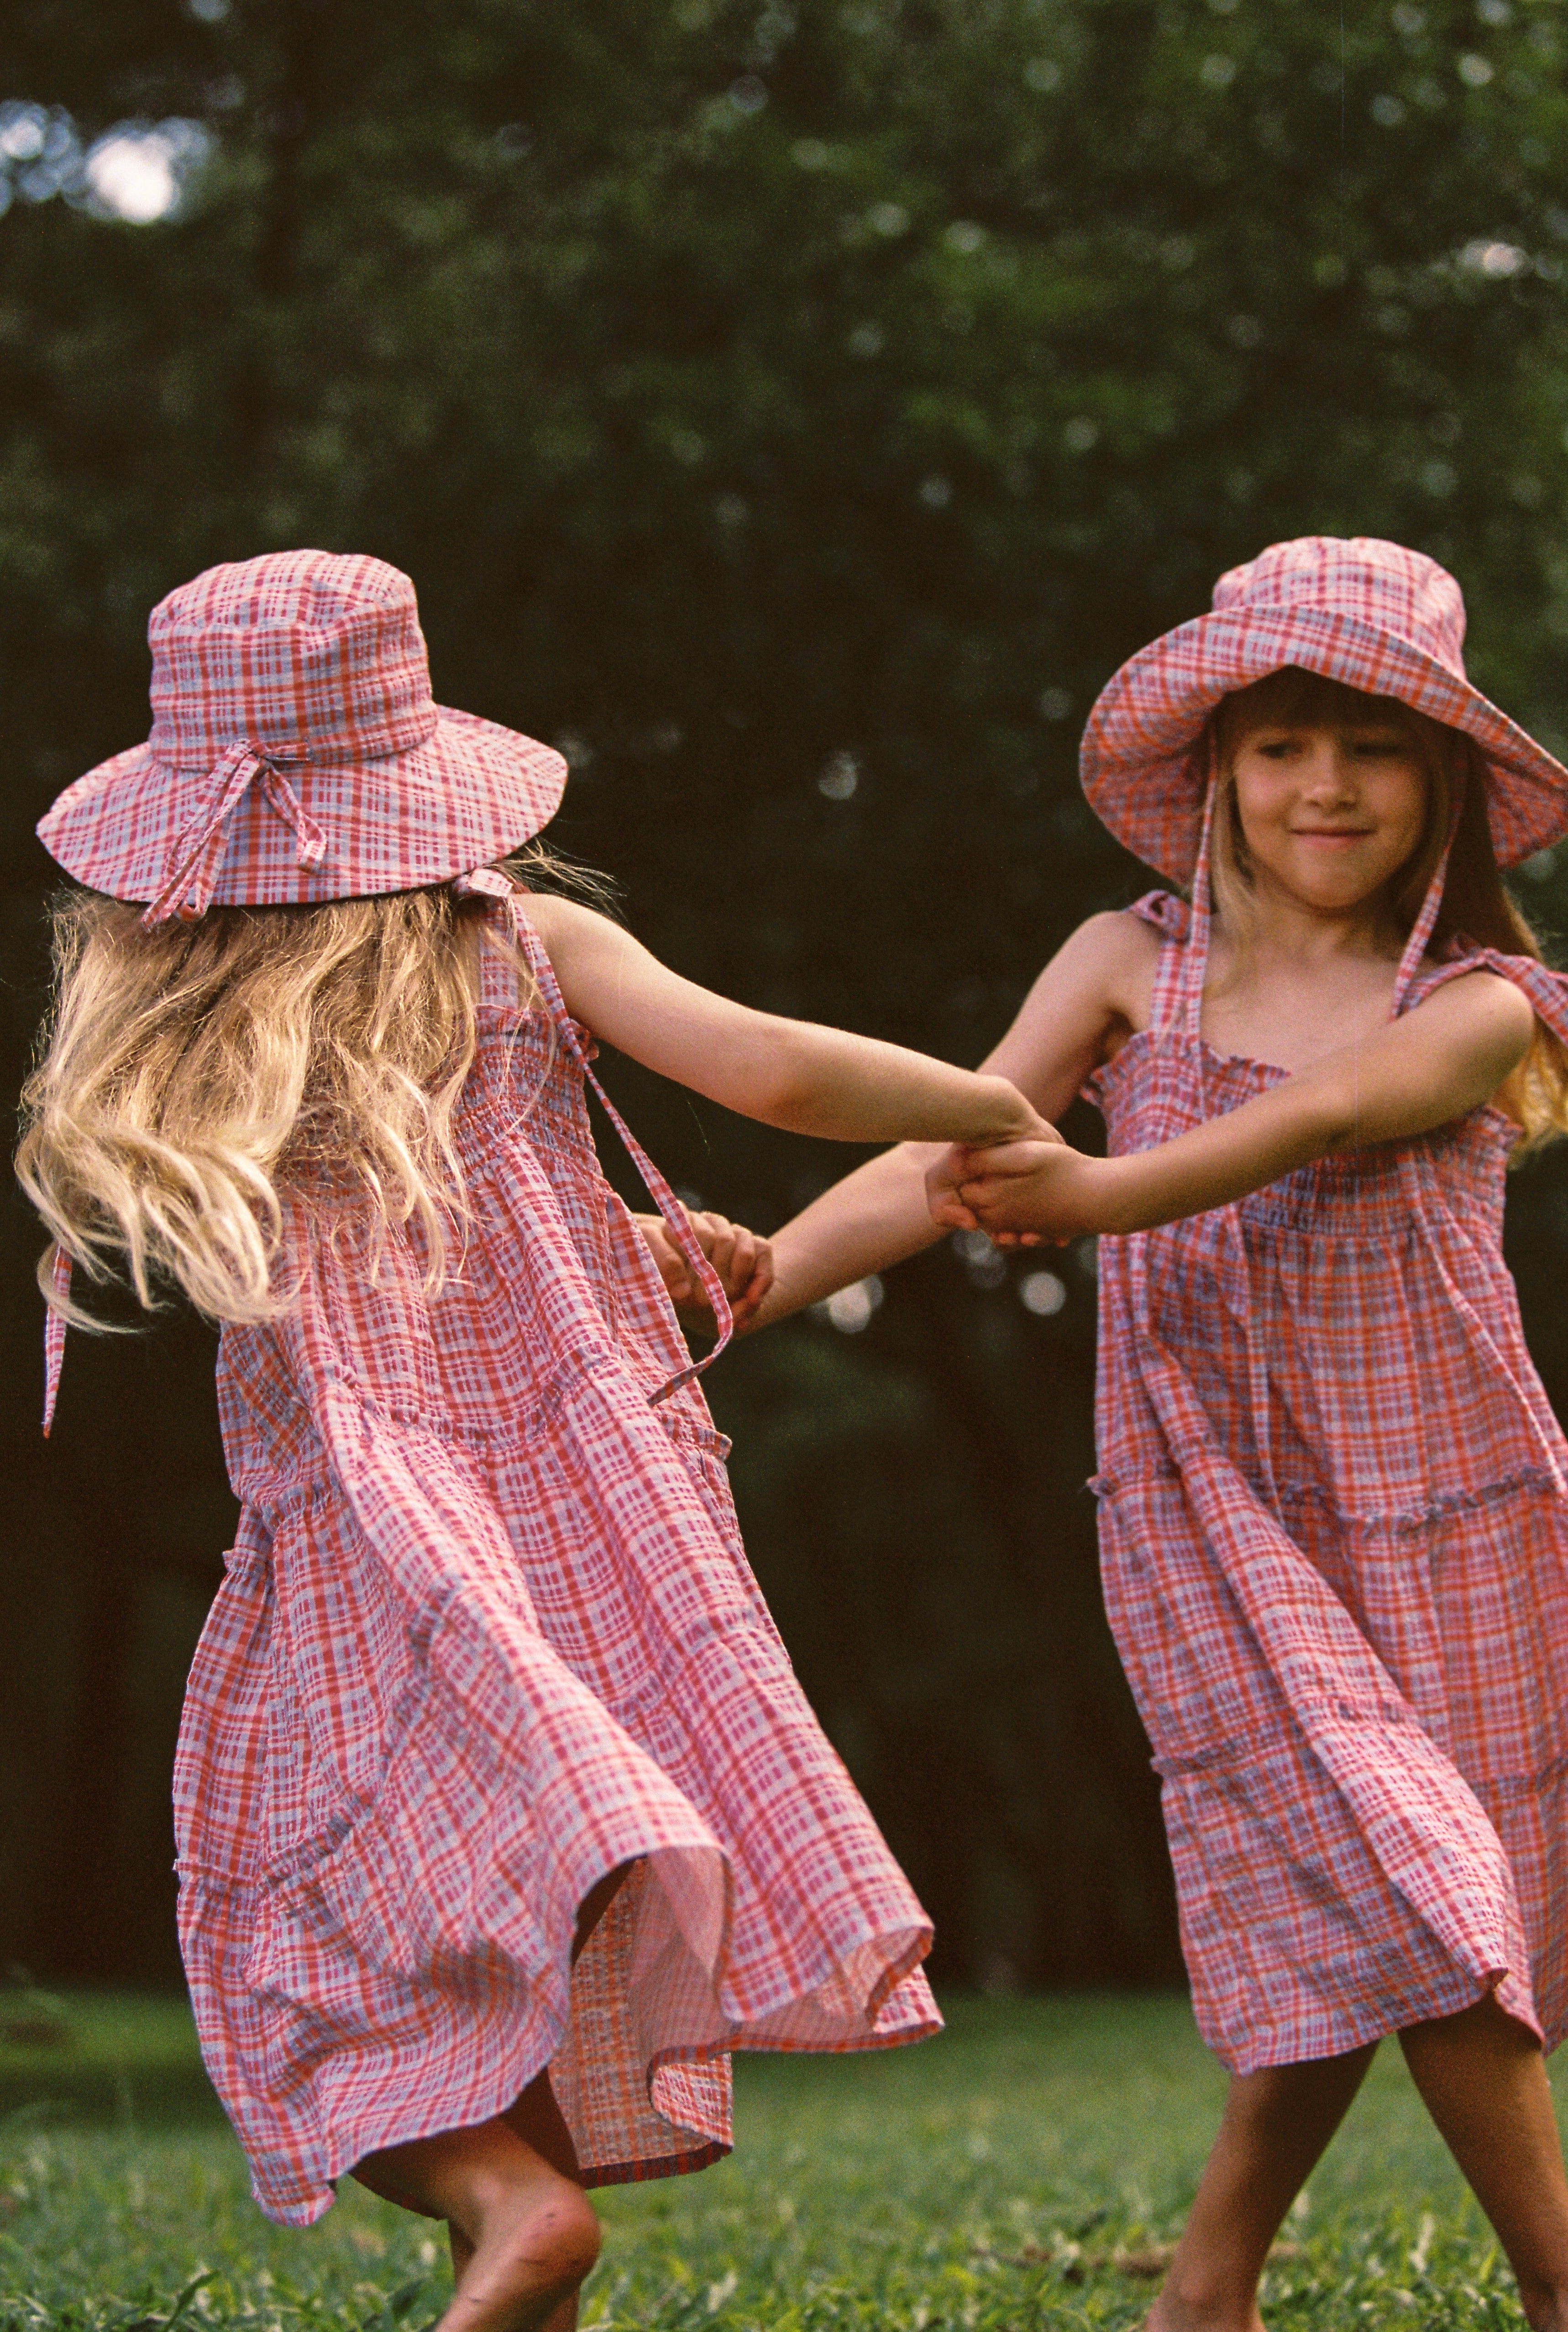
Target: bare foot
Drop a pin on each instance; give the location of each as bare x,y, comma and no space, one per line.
1171,2313
524,2254
562,2320
524,2235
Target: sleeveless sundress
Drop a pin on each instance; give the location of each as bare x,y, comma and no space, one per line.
1333,1525
487,1633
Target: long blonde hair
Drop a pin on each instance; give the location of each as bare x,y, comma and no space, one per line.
194,1073
1476,905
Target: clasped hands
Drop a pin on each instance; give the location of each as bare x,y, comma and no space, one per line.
1018,1193
742,1261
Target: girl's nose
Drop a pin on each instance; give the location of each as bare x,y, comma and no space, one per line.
1331,768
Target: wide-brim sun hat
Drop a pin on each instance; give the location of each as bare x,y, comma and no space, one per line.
1378,617
297,754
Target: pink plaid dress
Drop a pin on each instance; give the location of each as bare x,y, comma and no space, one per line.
487,1633
1334,1508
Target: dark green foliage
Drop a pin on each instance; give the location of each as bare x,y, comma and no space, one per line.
762,395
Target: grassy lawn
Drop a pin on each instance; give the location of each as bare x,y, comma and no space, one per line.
1009,2176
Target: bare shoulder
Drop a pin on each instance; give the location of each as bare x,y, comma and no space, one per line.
1482,1003
567,925
544,912
1114,953
1092,996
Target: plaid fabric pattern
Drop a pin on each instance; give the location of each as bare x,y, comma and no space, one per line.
1334,1540
1377,616
296,752
488,1632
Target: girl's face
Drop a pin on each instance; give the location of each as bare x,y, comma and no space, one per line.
1329,815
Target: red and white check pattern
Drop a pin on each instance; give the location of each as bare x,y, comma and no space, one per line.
296,752
1370,614
1334,1540
487,1633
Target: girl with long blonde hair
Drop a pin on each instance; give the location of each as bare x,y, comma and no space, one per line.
1333,1498
501,1819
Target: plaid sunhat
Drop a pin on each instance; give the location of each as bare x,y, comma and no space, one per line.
1370,614
296,752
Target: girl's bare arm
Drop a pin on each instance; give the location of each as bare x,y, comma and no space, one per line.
787,1072
1432,1065
1097,984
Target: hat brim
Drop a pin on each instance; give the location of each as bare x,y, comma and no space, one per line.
1144,782
469,794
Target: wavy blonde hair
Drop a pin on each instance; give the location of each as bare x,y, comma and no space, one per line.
1476,904
193,1075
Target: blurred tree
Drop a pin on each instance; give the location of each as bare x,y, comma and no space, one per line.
796,411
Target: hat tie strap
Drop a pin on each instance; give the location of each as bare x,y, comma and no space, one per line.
187,889
1200,929
54,1326
1426,922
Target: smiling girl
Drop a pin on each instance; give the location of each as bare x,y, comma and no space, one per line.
1333,1498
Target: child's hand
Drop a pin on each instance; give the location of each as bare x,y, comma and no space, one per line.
1018,1192
743,1262
945,1191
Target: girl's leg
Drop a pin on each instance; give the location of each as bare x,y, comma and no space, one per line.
1276,2125
1483,2079
526,2232
536,2118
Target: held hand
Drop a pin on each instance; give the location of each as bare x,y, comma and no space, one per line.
743,1262
1018,1192
1029,1125
1026,1191
947,1195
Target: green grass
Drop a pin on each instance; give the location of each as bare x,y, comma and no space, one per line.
985,2180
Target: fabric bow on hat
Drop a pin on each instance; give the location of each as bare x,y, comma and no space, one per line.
309,672
198,852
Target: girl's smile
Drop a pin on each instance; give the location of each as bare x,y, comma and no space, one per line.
1329,816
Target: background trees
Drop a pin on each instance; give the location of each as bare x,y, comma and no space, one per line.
796,411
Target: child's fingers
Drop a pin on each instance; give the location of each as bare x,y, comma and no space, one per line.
746,1303
753,1268
941,1198
722,1247
740,1260
761,1272
670,1262
952,1214
1007,1159
985,1191
733,1251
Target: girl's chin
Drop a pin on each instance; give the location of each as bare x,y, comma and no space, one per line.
1327,890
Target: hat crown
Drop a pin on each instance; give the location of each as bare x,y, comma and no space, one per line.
1362,580
305,654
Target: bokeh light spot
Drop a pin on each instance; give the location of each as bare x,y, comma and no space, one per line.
851,1309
